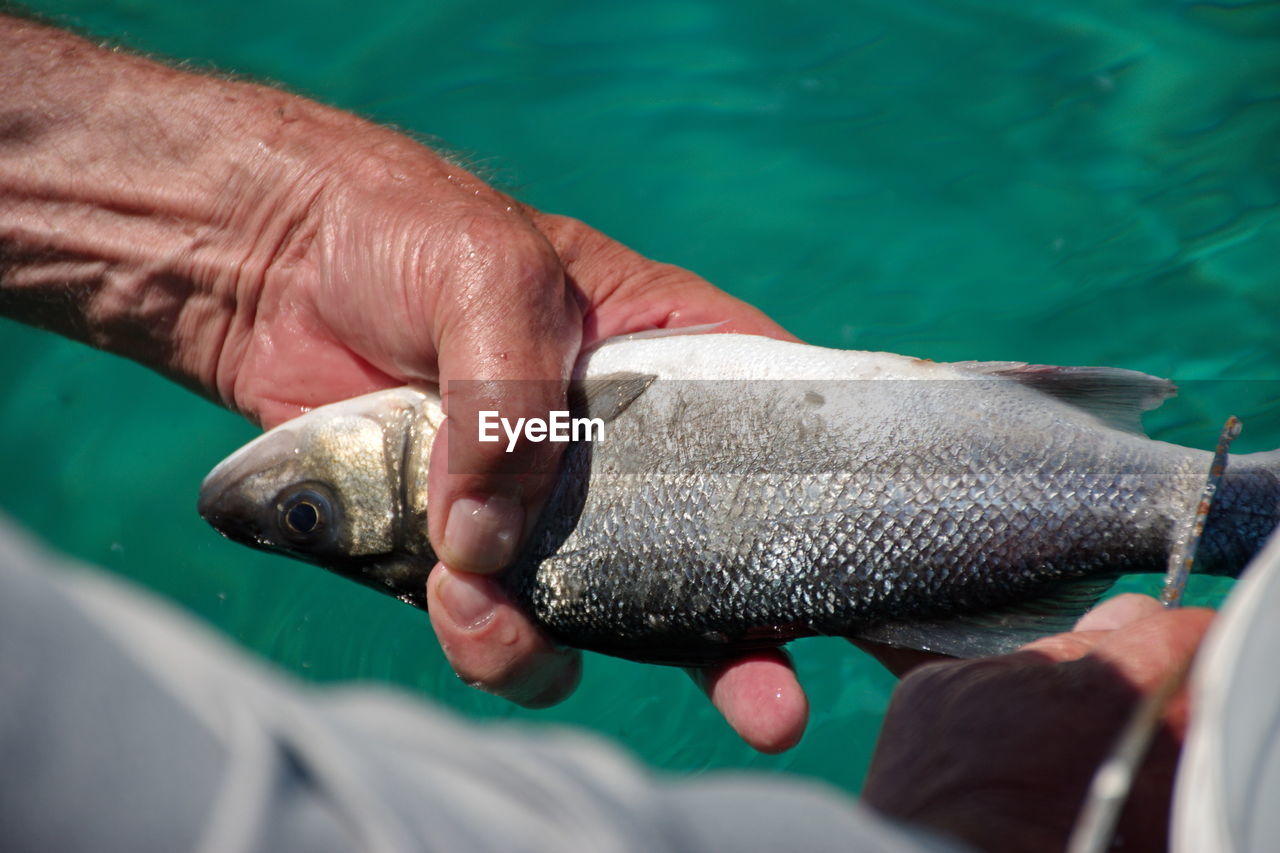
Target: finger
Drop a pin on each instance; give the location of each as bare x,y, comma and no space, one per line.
492,646
1094,630
1148,650
760,699
507,333
1151,652
1119,611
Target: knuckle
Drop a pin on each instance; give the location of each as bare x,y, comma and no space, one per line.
505,249
568,235
492,675
492,665
505,276
514,661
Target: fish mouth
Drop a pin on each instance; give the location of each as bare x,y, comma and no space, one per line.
229,514
228,500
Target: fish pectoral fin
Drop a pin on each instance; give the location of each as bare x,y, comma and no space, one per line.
606,397
1114,395
996,631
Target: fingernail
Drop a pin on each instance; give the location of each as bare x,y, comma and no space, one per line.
482,536
466,600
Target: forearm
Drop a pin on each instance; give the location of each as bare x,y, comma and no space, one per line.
141,206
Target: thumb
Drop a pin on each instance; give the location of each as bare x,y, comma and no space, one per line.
507,341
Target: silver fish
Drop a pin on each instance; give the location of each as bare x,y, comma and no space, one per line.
749,491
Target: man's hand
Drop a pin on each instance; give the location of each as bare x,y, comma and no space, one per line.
411,269
279,255
999,752
467,284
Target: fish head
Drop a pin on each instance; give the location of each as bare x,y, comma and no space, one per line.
343,486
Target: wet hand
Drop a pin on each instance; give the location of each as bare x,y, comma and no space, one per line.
402,268
276,255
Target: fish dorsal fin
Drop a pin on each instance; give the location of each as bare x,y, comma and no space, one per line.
997,631
1114,395
608,396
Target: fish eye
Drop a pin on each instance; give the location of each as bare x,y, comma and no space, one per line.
303,514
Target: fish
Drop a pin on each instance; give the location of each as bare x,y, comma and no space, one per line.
746,491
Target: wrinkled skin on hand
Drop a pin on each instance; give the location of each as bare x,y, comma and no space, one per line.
402,267
999,752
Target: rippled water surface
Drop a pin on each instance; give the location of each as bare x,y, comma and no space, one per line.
1084,182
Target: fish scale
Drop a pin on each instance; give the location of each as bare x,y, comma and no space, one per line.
802,559
747,491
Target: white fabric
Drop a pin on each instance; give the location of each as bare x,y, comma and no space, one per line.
1227,798
126,727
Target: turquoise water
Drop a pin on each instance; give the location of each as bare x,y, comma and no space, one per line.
1071,182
